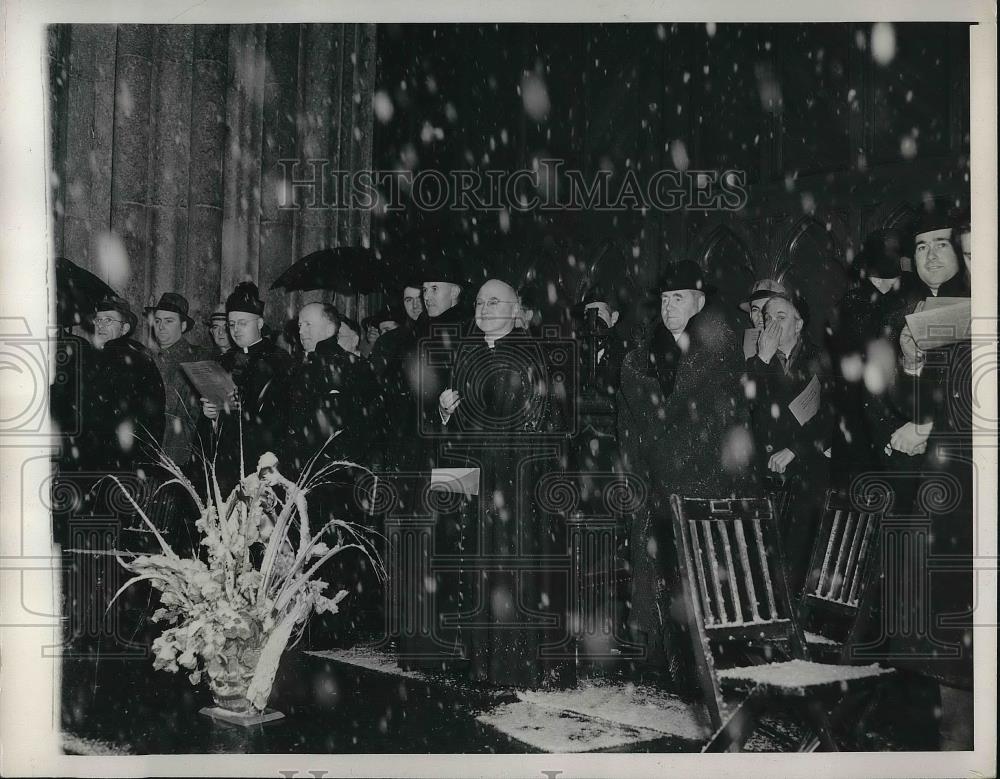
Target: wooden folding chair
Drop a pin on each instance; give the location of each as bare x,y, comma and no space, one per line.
732,576
837,598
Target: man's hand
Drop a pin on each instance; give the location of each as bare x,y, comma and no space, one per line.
913,358
780,460
209,409
911,439
447,403
767,342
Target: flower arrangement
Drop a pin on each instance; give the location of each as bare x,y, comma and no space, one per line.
235,603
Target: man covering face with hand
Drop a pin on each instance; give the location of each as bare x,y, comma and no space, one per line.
792,422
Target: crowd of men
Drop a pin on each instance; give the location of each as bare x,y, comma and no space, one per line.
702,411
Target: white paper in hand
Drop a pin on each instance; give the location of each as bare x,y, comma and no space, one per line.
211,380
805,406
461,481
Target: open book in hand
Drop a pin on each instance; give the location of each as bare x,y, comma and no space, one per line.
211,380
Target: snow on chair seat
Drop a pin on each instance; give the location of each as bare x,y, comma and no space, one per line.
799,677
732,577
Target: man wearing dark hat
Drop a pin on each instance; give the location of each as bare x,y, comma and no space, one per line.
936,394
863,332
259,370
683,428
792,419
170,323
125,399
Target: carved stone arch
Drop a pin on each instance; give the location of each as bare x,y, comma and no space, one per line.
828,223
727,262
897,215
813,262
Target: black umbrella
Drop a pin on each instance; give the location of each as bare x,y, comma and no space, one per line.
78,292
345,269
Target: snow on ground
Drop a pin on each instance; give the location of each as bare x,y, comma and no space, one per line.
369,659
640,706
551,730
92,747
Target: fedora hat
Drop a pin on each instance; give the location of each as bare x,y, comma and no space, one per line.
122,307
765,288
175,302
685,274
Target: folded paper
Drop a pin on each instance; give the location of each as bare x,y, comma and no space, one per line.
806,404
940,323
461,481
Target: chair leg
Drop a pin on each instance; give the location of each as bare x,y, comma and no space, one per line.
821,721
737,728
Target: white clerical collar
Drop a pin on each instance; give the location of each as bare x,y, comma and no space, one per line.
492,340
246,349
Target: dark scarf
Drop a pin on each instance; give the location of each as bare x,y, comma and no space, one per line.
663,359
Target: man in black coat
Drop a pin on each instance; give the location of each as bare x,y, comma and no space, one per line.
683,428
331,390
939,437
124,399
427,363
602,346
387,360
170,323
792,418
253,421
498,415
863,331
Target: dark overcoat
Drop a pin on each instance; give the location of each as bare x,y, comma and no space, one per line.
183,407
944,507
695,442
124,406
260,373
775,427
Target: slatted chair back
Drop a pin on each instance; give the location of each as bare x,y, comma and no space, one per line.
731,565
844,566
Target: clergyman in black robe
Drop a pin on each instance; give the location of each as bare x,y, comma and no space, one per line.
497,416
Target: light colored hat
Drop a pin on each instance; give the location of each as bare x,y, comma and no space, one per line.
218,313
765,288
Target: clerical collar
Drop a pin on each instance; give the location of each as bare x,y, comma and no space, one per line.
492,343
246,349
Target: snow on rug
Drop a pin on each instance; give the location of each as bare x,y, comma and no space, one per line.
639,706
369,659
551,730
92,747
801,673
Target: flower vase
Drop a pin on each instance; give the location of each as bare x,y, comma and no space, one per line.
229,678
237,662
